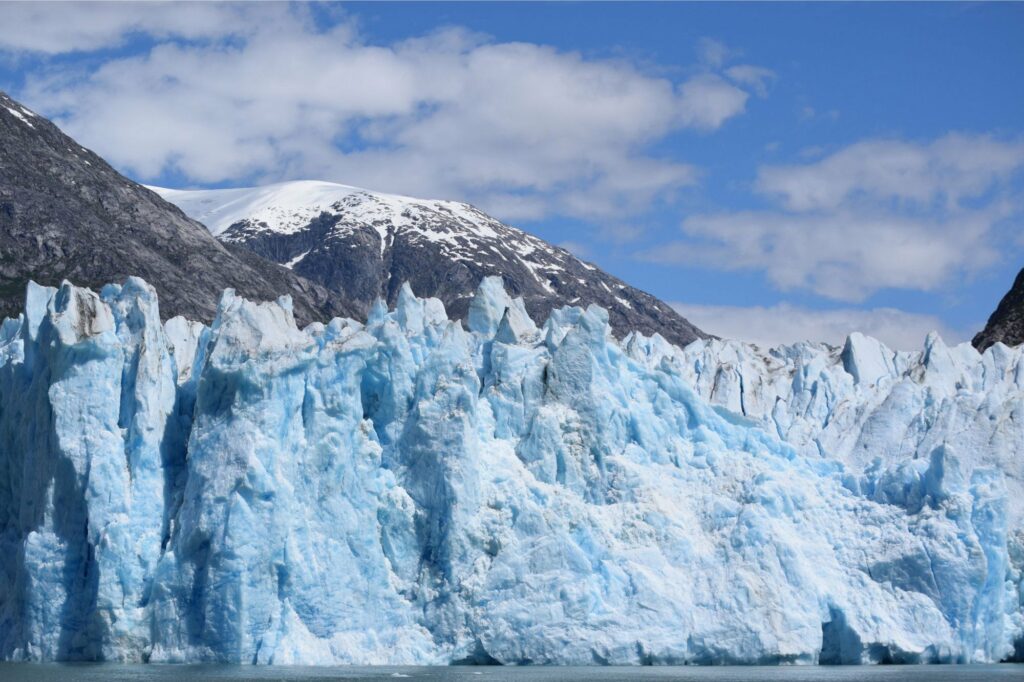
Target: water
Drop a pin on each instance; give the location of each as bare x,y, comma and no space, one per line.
30,672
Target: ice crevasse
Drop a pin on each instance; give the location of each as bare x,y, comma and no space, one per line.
410,491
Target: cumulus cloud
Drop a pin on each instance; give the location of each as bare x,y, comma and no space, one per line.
261,93
846,255
875,215
784,323
953,168
62,27
707,101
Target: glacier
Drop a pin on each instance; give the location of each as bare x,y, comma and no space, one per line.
413,491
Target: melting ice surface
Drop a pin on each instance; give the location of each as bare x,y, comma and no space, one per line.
410,492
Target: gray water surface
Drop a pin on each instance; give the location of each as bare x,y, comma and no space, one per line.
33,672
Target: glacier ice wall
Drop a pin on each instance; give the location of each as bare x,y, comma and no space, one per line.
410,491
887,415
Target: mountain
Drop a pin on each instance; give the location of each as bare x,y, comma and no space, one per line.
66,214
412,491
364,245
1006,325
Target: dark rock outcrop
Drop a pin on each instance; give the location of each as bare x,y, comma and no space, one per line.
67,214
1006,324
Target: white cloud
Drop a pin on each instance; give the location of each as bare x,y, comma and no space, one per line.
755,77
875,215
950,169
845,256
259,92
784,323
707,101
714,53
809,113
62,27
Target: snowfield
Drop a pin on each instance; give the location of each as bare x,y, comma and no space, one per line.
288,207
412,492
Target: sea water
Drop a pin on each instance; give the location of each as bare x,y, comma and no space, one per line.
29,672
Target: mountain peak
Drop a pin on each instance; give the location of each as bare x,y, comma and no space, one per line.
364,244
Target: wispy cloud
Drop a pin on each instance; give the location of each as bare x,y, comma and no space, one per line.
808,113
714,53
757,78
785,323
578,249
877,214
261,92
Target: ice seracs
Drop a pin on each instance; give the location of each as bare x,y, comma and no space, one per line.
412,491
869,406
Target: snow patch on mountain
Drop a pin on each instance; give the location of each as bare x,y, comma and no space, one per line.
364,245
21,115
286,208
283,207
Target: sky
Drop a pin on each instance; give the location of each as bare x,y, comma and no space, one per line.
776,172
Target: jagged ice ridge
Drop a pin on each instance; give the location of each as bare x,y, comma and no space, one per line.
409,491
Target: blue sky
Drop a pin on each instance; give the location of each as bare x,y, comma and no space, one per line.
778,171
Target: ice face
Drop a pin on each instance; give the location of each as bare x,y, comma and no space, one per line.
872,408
409,491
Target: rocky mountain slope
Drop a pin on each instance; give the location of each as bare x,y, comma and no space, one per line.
410,491
1006,325
66,214
364,245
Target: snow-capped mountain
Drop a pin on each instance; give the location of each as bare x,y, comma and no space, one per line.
1006,324
67,214
410,491
364,245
